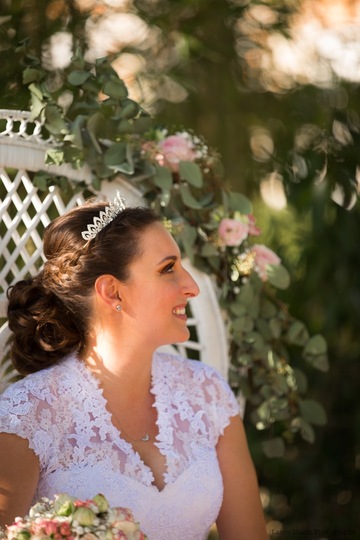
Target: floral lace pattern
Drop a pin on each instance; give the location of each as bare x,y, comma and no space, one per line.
62,413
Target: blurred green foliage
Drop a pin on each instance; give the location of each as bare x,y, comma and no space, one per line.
313,486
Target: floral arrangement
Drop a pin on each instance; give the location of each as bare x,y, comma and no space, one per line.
184,181
67,518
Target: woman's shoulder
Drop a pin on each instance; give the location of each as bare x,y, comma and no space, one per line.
197,377
40,385
179,380
178,365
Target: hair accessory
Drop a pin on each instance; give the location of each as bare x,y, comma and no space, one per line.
118,307
105,217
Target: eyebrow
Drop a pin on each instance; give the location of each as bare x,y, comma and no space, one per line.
168,258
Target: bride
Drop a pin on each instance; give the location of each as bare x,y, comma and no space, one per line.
99,410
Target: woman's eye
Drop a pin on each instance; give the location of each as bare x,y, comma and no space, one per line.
168,268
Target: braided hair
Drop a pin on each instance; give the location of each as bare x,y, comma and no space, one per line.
49,313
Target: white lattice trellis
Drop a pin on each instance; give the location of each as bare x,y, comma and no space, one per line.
24,218
25,212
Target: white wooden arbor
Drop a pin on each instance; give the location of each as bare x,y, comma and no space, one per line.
25,212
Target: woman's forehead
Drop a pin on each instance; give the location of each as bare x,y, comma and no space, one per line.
157,243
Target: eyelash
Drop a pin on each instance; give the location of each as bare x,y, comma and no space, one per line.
168,269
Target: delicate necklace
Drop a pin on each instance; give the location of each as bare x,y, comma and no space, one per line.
145,438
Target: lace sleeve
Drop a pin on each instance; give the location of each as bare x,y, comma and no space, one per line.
25,410
221,403
198,392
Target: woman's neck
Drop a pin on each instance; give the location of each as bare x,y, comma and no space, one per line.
120,368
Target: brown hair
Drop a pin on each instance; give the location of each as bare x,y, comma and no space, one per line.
48,314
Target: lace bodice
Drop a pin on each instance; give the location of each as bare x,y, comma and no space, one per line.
62,413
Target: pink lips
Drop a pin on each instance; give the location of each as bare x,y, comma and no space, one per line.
180,312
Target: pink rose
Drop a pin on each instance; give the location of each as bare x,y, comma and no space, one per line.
174,149
44,526
254,230
88,503
263,257
65,529
232,232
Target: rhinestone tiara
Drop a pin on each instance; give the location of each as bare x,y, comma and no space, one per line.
105,217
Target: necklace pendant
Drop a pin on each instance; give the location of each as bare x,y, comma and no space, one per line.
145,438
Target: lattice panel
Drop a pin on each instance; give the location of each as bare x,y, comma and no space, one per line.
24,214
20,125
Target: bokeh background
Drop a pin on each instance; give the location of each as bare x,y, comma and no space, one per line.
274,87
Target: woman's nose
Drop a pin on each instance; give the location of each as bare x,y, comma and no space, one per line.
190,285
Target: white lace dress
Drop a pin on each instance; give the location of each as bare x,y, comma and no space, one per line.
63,414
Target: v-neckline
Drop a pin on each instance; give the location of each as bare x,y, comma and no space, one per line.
115,432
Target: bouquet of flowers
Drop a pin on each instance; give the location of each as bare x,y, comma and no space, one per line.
67,518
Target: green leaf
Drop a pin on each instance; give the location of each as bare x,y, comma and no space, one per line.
238,309
76,131
64,184
237,202
268,309
165,198
316,345
163,178
125,168
40,181
116,89
191,172
245,360
77,77
279,408
313,412
118,157
266,391
96,182
55,122
37,101
246,294
188,198
54,156
94,125
297,333
124,127
321,362
115,155
274,448
255,339
306,430
301,380
264,412
188,237
273,359
142,124
209,250
30,75
35,90
129,110
278,276
280,384
275,327
243,324
264,328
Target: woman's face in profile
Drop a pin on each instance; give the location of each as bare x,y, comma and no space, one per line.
158,289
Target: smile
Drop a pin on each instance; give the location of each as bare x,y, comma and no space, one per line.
179,311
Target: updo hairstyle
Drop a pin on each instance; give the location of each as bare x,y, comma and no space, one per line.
49,313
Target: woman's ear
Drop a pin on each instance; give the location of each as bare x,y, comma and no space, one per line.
107,290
